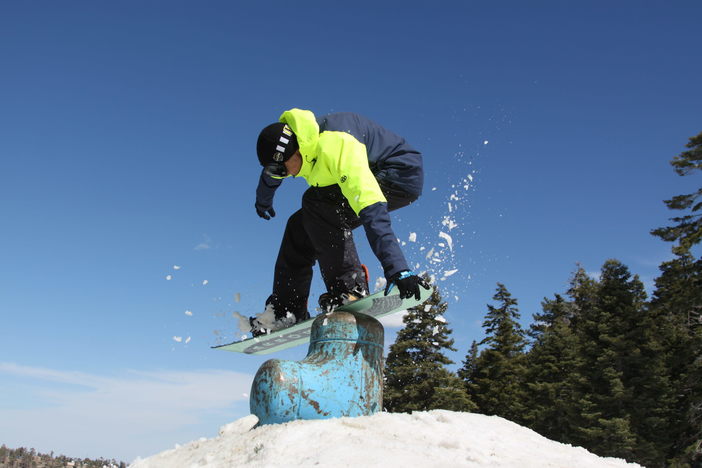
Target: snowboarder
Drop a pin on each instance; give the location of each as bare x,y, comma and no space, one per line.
358,171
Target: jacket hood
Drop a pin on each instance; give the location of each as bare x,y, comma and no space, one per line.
306,129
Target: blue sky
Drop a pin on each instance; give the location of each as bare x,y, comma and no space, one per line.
127,134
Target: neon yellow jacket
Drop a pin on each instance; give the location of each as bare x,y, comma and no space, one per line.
334,157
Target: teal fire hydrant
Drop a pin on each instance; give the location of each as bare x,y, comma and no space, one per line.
342,374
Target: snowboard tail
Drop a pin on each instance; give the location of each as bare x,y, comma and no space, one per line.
376,305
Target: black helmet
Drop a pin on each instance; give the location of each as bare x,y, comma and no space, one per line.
276,144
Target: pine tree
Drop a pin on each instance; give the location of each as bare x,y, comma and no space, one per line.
687,231
627,393
551,381
468,370
606,427
649,390
416,378
582,292
500,367
677,302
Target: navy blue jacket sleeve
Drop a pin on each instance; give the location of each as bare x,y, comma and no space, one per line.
382,239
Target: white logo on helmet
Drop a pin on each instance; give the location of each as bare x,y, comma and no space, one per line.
283,141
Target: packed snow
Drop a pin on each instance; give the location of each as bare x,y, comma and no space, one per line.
436,438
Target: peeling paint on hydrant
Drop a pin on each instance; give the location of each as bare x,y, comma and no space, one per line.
342,374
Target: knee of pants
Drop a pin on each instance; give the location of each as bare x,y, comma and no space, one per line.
296,242
295,221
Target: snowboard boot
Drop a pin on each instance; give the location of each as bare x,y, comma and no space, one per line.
275,318
261,326
257,328
328,301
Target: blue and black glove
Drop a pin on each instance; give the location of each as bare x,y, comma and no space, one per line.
407,284
264,196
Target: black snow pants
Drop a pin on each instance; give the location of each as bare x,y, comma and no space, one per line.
322,231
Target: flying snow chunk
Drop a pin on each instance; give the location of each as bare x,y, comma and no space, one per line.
449,273
413,237
169,277
177,339
380,283
448,239
189,313
176,267
237,297
431,253
187,340
485,142
449,223
204,283
243,323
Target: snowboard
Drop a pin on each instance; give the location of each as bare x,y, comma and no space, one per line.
376,305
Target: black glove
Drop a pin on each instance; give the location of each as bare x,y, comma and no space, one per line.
407,283
265,211
264,196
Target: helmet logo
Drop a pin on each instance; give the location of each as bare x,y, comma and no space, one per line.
283,141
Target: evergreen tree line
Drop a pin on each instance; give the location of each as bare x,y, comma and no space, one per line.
29,458
602,366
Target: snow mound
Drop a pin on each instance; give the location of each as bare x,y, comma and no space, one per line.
428,439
